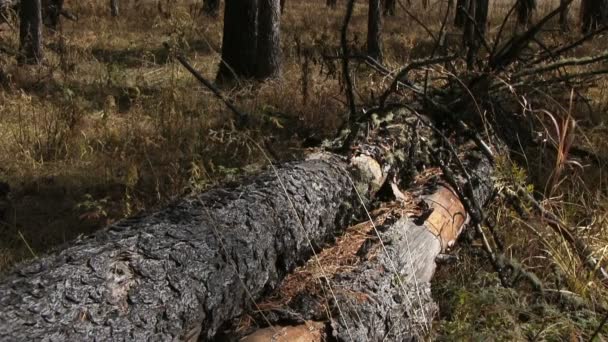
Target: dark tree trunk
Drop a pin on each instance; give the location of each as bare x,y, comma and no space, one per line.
476,20
114,10
211,7
30,32
331,3
563,16
374,30
282,6
389,7
239,41
186,270
524,11
593,14
51,13
268,58
460,17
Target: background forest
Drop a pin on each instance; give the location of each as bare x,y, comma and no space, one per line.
109,124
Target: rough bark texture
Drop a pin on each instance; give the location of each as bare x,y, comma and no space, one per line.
239,41
30,32
211,7
386,296
114,11
374,30
389,297
181,272
269,39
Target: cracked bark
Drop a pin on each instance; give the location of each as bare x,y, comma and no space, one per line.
167,276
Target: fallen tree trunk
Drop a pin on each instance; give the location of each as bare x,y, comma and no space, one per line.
186,270
383,292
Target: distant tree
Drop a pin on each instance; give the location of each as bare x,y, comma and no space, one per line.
374,30
51,13
524,11
30,32
331,3
211,7
563,15
476,21
268,59
114,8
389,7
460,16
593,14
239,41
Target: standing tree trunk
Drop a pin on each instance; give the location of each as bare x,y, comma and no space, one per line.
476,19
593,14
282,6
114,8
374,30
460,17
524,11
239,41
389,7
563,15
30,32
268,58
211,8
51,13
331,3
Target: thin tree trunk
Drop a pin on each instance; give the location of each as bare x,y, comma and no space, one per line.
114,11
563,16
282,6
331,3
374,30
239,41
30,32
183,272
211,8
460,17
593,14
51,13
524,11
389,7
269,39
476,20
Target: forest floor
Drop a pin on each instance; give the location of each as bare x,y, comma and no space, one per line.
111,125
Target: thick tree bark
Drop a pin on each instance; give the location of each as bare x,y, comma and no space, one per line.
30,32
211,8
269,39
593,13
186,270
114,10
385,295
374,30
239,42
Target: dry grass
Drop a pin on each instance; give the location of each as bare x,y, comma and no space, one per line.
112,125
